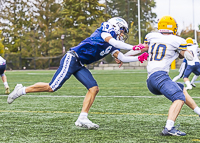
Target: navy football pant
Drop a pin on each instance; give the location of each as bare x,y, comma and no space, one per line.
195,69
69,65
2,69
160,83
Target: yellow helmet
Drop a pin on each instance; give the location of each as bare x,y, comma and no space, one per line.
189,41
167,24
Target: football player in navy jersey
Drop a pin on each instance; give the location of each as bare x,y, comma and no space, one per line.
107,39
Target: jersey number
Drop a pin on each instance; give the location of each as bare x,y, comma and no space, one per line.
159,53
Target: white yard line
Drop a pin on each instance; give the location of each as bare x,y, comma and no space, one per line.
74,96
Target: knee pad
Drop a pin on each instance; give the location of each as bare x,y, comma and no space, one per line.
173,91
180,85
178,96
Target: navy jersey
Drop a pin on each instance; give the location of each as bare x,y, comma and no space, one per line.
94,47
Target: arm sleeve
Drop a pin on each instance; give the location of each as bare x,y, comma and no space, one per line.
123,58
120,44
132,52
116,43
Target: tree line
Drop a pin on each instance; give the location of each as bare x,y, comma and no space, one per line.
33,28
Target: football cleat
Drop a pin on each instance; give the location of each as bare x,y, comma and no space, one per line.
86,123
188,87
7,91
193,84
17,92
172,132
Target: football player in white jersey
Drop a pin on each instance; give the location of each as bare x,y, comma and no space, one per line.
107,39
181,70
184,65
163,48
3,76
192,66
195,76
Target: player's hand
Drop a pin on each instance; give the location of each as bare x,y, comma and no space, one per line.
143,57
138,47
119,62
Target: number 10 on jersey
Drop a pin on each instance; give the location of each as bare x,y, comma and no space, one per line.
158,52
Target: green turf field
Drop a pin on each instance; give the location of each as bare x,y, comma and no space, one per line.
124,109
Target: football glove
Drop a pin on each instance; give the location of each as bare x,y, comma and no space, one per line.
138,47
143,57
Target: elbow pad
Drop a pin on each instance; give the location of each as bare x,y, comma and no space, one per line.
188,56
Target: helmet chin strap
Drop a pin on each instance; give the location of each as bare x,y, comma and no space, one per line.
120,38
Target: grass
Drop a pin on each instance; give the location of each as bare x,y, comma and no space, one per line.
124,109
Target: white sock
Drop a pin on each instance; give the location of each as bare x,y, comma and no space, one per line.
83,114
6,84
188,83
194,78
24,90
21,92
175,78
169,124
197,110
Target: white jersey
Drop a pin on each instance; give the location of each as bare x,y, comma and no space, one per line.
194,50
2,61
163,49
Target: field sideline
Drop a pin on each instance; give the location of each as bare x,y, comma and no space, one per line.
124,109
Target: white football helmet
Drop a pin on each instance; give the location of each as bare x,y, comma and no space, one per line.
119,24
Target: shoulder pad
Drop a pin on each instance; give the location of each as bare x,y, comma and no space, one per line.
107,27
